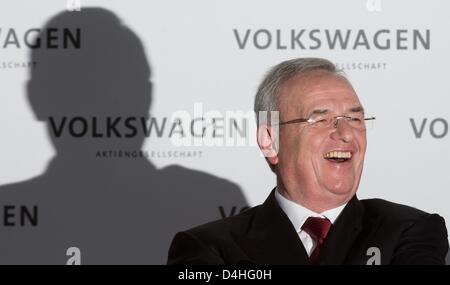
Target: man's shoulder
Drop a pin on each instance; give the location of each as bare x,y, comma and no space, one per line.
390,211
378,209
406,234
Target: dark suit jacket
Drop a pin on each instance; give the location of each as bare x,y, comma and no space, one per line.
265,235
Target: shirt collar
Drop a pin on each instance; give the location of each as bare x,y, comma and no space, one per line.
298,214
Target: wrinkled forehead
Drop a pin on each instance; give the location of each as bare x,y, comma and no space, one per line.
317,89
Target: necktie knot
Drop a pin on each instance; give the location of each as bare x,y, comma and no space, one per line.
318,229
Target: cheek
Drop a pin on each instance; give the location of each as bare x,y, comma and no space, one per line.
289,148
311,143
300,149
362,144
362,139
303,149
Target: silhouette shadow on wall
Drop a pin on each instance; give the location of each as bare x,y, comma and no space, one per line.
114,210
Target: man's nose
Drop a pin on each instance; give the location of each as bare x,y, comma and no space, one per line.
342,130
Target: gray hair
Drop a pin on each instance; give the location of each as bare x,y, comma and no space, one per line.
267,97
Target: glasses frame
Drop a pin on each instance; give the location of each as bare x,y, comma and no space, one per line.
312,121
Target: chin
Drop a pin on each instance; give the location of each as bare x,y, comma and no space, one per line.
339,189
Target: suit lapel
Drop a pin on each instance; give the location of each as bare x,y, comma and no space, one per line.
271,237
343,233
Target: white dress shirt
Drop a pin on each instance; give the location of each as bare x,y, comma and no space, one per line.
298,216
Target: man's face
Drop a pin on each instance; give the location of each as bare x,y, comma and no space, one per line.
306,172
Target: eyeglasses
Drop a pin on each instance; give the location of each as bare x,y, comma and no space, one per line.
356,121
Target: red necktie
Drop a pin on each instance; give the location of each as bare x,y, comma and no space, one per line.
318,229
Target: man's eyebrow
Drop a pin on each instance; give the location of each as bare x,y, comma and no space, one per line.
318,112
357,109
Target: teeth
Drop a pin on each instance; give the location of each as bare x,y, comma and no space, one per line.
338,154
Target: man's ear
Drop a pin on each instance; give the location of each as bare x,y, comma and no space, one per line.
267,141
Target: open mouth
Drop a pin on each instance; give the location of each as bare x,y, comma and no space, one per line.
338,156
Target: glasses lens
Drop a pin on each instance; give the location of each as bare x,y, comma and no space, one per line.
321,121
356,121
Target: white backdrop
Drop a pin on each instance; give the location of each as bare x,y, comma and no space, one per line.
196,57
